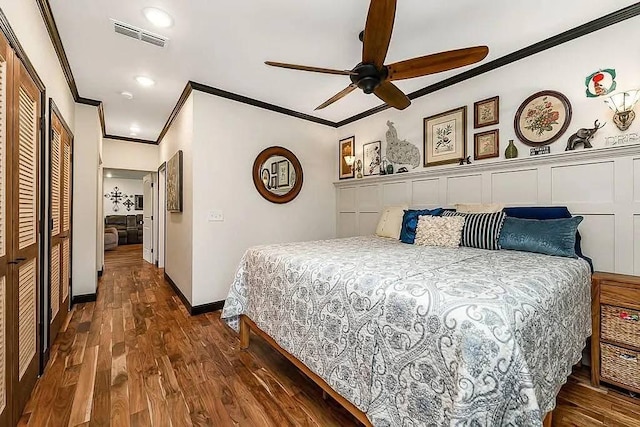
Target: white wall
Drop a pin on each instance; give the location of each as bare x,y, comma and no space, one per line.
179,229
85,202
227,138
130,187
563,68
130,155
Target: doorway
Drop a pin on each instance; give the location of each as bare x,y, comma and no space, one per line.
127,208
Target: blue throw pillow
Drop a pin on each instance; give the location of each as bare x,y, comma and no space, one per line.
548,212
410,223
550,236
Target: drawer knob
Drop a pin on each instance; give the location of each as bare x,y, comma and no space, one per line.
632,317
628,357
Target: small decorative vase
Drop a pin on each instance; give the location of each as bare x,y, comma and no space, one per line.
512,151
389,168
359,169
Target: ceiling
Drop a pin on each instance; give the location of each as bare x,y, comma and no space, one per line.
224,44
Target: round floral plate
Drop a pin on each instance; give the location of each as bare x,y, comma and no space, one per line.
542,118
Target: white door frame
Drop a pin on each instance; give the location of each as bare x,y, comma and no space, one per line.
147,227
160,214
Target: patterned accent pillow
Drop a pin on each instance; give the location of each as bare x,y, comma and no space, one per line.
439,231
481,230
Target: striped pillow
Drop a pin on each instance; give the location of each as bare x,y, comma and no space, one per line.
481,230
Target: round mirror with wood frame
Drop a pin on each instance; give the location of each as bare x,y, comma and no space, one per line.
277,175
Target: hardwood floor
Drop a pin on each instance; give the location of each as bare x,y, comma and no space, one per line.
136,358
123,256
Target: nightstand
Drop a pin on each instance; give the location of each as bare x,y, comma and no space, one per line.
615,344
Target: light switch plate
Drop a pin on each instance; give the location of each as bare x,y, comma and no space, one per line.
215,216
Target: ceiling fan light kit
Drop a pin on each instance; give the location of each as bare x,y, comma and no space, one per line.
372,76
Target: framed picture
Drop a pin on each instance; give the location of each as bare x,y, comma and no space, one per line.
371,158
486,112
274,182
346,148
486,145
174,183
445,137
266,176
283,173
139,205
542,118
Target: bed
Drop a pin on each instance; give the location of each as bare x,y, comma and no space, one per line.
411,335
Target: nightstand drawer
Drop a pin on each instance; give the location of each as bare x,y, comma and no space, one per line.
620,295
620,365
620,325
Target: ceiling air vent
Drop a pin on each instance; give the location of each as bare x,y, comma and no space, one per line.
139,34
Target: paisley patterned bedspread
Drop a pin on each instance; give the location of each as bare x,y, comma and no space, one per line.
422,336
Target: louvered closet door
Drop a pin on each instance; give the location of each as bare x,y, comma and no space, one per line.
6,294
25,141
58,288
65,220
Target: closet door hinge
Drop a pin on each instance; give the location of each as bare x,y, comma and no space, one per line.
42,122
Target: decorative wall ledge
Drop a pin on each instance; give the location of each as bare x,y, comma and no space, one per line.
503,164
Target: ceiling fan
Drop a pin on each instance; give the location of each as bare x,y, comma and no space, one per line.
372,76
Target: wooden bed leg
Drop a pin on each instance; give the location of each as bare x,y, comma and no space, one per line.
244,333
547,420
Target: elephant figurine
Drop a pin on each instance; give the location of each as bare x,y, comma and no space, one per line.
583,136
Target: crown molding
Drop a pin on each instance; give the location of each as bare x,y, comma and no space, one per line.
572,34
54,35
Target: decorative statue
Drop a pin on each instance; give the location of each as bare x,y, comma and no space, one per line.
583,136
359,168
401,152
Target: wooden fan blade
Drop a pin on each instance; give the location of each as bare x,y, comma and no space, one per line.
312,69
377,32
393,96
346,91
436,63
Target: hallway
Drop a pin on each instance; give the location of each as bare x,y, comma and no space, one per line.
136,358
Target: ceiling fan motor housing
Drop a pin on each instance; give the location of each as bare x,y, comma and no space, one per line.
368,77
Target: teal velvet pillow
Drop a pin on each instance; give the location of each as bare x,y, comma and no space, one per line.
551,236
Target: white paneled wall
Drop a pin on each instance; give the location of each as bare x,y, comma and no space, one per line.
602,185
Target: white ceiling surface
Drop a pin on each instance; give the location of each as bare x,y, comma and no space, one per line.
224,44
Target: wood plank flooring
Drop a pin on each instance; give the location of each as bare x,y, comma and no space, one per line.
136,358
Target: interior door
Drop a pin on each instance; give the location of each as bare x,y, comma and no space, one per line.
6,291
59,138
147,213
24,203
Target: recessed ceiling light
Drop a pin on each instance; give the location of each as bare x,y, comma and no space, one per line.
133,134
109,175
145,81
127,95
158,17
134,129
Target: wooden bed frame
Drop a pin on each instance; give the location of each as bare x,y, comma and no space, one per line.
247,326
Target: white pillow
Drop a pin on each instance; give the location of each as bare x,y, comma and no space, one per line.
390,222
439,231
479,207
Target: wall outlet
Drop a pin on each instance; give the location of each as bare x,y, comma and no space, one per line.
215,216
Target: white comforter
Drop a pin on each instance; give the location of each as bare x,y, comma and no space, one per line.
418,336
